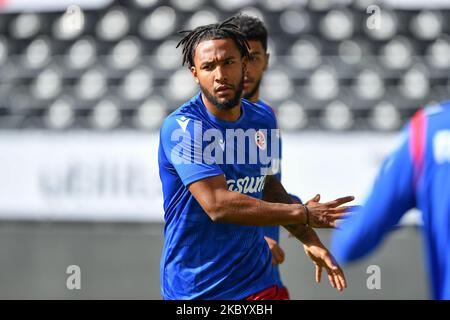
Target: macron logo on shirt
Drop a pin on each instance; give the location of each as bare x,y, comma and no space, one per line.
183,122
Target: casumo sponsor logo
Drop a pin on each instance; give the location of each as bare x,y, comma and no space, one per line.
247,185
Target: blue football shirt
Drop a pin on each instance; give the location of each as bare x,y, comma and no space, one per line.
202,259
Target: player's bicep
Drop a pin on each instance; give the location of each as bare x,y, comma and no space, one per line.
209,193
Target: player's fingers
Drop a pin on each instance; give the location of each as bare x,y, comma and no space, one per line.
315,199
333,271
282,256
277,256
332,213
341,278
275,260
318,273
330,263
331,279
338,274
337,281
343,211
339,201
347,209
334,216
354,208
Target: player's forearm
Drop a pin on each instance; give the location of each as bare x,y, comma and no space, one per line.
275,192
241,209
303,233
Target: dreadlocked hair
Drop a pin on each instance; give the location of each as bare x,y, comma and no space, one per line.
224,30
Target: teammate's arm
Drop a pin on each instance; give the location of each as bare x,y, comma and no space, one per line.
313,246
226,206
274,192
391,196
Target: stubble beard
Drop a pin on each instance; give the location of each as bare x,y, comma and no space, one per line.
227,104
250,94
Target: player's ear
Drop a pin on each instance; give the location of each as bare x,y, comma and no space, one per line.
194,74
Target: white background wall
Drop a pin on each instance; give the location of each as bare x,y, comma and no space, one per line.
114,176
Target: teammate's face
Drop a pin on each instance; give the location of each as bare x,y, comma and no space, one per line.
219,70
256,66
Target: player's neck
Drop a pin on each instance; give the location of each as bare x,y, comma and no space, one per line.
255,97
232,114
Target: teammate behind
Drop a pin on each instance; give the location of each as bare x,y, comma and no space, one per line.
256,34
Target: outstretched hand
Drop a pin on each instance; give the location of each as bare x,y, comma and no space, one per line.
322,258
324,215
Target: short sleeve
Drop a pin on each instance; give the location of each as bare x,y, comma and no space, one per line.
182,143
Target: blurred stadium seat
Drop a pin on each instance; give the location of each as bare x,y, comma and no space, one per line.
121,63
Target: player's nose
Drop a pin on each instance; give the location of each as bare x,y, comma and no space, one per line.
220,75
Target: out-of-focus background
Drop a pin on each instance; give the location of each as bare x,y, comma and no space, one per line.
85,85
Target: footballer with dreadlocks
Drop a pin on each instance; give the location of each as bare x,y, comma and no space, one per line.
213,187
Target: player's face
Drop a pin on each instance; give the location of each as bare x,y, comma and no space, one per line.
256,66
219,70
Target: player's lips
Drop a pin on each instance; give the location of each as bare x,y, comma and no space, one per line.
223,89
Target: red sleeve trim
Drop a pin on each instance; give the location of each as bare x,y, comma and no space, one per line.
417,143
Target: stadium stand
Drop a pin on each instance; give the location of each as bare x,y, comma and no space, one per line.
120,68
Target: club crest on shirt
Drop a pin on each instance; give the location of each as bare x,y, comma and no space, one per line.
260,140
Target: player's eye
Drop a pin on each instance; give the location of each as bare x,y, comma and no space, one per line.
229,61
207,67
